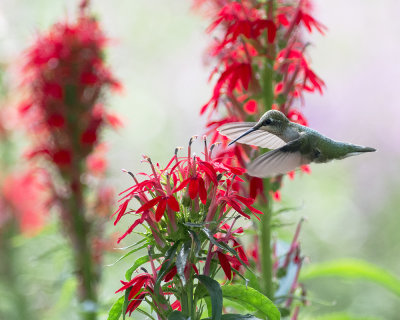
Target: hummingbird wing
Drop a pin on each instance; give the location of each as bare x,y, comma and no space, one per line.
279,161
259,137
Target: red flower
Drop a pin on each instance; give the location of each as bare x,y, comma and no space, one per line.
27,194
235,75
251,106
240,20
136,284
163,202
66,76
297,116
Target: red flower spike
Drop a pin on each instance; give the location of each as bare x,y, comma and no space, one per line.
60,66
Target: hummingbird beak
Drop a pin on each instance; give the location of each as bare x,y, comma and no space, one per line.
244,134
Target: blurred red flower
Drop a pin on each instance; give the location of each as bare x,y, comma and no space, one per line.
26,193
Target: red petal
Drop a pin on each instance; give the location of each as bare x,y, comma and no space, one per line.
236,207
251,107
181,186
135,303
256,187
170,274
132,227
121,210
240,251
176,305
223,260
193,188
126,285
149,204
161,209
195,268
209,170
173,203
202,191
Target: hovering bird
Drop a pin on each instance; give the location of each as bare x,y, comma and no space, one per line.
293,144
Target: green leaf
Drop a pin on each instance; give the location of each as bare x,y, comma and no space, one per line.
233,316
196,241
339,316
194,225
254,281
116,309
214,290
128,254
137,264
133,245
353,269
176,315
181,260
254,300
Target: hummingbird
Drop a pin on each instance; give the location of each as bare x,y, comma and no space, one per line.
292,144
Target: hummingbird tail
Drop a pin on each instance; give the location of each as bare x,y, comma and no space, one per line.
356,150
366,149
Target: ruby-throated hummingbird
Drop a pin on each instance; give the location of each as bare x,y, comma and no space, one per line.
294,145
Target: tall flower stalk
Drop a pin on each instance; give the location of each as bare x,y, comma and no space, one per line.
65,78
261,64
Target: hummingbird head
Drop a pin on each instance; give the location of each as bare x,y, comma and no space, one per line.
272,121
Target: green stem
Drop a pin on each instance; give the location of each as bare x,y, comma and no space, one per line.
265,226
265,250
268,90
80,234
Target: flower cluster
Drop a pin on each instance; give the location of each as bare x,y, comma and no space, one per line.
66,77
261,62
189,209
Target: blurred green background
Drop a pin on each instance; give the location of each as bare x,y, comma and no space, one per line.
158,53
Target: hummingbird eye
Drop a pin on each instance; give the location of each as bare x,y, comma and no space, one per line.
267,122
